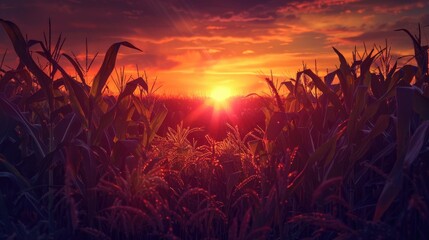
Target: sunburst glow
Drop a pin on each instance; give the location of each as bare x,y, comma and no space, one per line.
221,94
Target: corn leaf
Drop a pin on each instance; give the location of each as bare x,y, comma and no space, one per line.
276,124
421,105
76,67
13,111
156,122
417,142
346,78
15,174
393,186
355,112
78,95
380,126
131,86
333,98
107,67
21,49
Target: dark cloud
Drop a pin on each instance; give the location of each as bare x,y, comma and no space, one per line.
373,36
151,61
308,42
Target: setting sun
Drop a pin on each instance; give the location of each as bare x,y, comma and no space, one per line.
221,94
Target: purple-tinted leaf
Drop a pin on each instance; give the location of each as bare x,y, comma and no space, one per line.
39,95
417,141
106,121
367,62
21,49
420,54
124,148
324,186
346,78
380,126
14,174
76,67
13,111
9,75
358,106
275,126
333,98
393,186
67,128
421,105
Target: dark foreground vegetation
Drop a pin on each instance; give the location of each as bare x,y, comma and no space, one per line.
344,156
245,112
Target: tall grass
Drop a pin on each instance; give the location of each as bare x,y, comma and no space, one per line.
343,161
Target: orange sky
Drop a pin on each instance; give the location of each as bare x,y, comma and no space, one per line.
191,46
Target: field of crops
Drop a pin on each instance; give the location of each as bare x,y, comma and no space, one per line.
340,156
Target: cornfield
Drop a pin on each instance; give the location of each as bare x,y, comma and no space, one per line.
343,156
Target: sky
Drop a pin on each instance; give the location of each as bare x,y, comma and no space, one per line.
194,46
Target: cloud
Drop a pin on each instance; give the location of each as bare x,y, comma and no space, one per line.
215,27
248,52
154,62
196,37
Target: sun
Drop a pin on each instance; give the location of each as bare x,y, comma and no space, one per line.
221,94
219,98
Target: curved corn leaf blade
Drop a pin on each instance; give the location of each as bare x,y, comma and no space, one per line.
333,98
417,141
67,128
108,118
325,152
77,94
324,187
367,62
156,122
303,97
17,176
106,121
329,78
76,67
289,85
393,186
277,121
131,86
21,49
346,78
380,126
276,94
275,126
420,54
12,111
107,67
358,106
39,96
